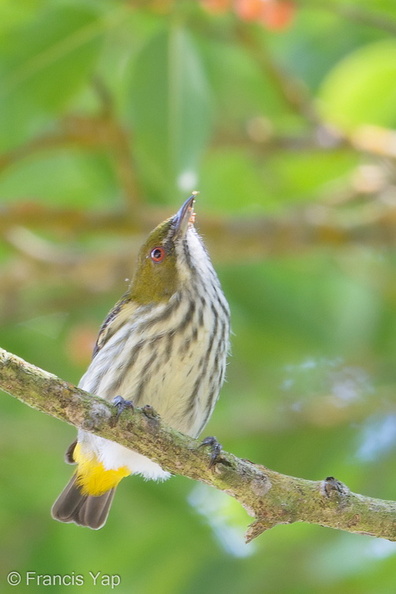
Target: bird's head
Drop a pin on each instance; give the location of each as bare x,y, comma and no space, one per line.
166,259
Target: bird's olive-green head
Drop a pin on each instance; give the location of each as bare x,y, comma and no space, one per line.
158,274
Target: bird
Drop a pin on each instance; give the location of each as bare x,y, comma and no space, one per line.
164,344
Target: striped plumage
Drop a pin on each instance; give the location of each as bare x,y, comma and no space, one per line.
165,344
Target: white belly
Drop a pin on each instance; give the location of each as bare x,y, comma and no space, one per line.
178,373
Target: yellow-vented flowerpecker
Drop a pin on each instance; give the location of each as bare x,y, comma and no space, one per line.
164,344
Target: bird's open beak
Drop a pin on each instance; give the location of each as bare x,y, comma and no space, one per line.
185,216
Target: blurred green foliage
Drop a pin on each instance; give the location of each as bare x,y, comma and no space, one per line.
122,108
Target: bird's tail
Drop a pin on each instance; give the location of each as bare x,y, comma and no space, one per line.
73,505
87,497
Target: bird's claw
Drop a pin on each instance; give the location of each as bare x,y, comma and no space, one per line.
215,449
121,404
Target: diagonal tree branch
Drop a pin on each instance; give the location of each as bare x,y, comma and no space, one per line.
271,498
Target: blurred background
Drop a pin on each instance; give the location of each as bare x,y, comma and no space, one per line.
283,115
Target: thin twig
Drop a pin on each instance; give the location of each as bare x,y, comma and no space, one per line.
355,13
292,90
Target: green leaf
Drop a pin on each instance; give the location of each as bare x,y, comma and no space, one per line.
361,89
13,13
43,64
170,109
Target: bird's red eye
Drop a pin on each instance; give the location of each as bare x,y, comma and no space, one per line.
157,254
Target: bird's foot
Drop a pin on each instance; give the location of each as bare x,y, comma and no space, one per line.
215,450
121,404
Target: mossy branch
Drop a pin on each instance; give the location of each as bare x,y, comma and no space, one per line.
269,497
